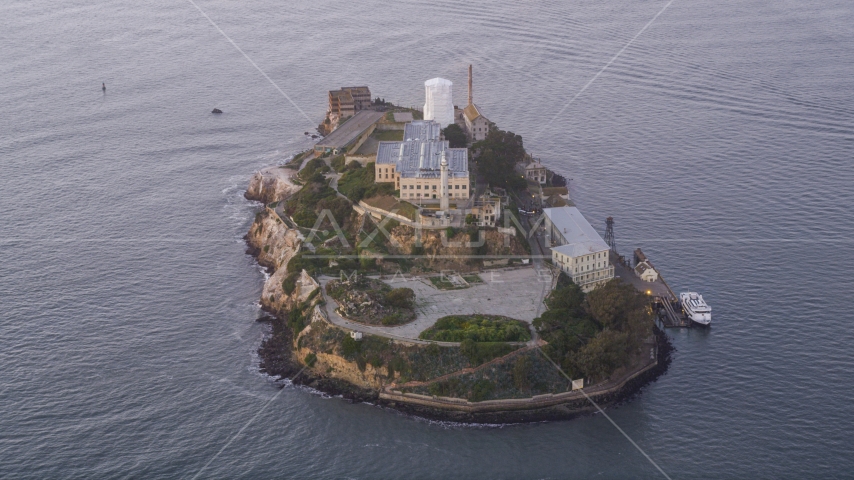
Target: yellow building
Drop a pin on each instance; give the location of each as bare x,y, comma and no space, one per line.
414,165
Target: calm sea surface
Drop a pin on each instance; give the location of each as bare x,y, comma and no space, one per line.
721,141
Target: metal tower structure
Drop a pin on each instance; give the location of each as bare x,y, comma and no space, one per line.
609,234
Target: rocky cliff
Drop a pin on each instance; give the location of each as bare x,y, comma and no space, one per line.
274,245
271,184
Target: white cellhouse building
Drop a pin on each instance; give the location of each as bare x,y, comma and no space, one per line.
439,104
576,247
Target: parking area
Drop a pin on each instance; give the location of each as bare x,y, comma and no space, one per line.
515,293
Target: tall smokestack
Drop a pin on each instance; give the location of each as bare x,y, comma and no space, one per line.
470,102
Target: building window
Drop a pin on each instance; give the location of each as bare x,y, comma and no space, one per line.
418,187
464,187
456,187
434,187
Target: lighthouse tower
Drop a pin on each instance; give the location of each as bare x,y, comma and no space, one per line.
443,203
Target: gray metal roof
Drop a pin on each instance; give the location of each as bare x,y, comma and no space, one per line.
422,130
421,159
350,130
581,238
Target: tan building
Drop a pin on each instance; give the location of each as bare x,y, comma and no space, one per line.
414,165
487,209
576,248
349,100
477,125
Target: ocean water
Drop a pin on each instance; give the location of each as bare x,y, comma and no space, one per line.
721,141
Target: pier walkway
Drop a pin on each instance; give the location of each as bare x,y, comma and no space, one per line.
664,302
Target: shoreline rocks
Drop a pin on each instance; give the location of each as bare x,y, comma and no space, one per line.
271,184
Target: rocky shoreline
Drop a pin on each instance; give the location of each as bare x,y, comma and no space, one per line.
277,359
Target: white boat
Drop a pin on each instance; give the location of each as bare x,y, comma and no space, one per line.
696,308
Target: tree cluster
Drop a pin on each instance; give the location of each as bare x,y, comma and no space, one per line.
400,298
592,335
455,136
314,197
496,157
358,182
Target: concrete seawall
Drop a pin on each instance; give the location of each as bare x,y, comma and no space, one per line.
564,405
510,404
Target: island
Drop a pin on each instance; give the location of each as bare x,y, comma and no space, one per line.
423,260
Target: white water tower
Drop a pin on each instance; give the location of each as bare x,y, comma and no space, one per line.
439,104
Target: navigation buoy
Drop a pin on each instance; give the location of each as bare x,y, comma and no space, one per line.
216,110
103,87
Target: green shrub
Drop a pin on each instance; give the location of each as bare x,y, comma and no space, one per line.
299,263
400,298
338,163
313,167
375,360
350,347
289,284
297,320
310,359
367,263
305,218
397,364
478,353
477,328
447,388
359,183
481,391
455,136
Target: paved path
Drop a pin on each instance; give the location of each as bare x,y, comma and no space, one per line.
515,293
333,184
539,254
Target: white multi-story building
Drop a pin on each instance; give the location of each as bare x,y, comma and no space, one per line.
536,172
576,247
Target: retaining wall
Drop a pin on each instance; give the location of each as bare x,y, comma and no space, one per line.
511,404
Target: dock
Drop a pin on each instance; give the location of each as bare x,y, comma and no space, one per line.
663,301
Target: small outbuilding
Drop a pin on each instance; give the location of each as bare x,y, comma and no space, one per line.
646,272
